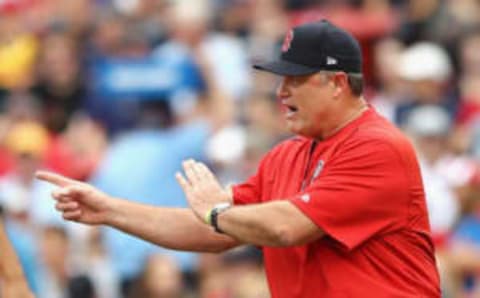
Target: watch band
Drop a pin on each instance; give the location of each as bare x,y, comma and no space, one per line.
215,212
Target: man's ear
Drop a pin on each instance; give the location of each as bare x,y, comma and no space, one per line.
340,82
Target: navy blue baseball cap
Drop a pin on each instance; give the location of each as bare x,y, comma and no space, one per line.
313,47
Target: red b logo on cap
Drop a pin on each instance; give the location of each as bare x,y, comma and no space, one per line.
288,41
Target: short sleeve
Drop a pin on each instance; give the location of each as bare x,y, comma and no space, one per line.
248,192
362,192
251,191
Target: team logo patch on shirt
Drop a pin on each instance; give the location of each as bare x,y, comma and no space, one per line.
316,172
287,41
318,169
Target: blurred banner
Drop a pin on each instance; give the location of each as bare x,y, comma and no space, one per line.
144,79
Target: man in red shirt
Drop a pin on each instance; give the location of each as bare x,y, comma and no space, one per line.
339,210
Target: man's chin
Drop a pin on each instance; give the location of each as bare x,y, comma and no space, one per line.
295,130
300,132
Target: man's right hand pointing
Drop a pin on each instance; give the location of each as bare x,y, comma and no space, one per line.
78,201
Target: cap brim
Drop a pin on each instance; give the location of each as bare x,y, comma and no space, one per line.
285,68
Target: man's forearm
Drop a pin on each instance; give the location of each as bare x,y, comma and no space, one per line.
277,223
274,223
174,228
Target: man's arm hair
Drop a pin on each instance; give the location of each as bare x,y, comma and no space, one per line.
173,228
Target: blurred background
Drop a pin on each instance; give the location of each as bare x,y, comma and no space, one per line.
119,92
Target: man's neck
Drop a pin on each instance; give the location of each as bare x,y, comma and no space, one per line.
346,116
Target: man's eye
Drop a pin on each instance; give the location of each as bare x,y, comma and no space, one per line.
296,81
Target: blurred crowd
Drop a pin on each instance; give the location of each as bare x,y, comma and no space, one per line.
118,92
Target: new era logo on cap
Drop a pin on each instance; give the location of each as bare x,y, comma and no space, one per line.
331,61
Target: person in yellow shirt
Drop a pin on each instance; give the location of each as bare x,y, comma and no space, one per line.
18,51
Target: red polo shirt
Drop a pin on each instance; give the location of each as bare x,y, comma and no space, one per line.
362,186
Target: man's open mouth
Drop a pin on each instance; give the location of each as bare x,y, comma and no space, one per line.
291,108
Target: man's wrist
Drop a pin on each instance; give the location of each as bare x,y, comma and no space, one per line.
211,217
114,213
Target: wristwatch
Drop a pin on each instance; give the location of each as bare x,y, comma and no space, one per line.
215,212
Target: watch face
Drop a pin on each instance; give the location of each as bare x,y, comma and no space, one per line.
219,208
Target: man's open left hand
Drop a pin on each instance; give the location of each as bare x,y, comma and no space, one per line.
201,188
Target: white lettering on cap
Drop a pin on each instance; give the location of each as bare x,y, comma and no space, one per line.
331,61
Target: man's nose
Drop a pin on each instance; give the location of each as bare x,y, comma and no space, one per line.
282,89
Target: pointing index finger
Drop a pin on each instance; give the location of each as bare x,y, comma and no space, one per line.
53,178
